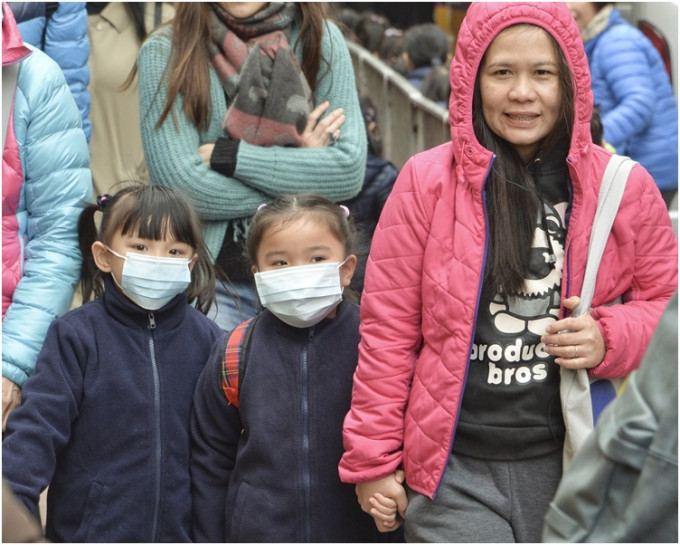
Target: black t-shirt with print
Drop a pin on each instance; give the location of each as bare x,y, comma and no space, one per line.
511,405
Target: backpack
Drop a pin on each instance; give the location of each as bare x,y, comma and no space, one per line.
235,358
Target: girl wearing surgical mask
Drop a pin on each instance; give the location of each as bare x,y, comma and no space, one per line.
105,417
277,453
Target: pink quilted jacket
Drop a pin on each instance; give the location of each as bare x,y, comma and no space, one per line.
423,278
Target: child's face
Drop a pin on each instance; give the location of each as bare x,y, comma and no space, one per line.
120,244
303,242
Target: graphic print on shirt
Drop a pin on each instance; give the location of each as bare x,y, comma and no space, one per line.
507,340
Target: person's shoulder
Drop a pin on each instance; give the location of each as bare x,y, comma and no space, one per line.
160,40
202,322
39,71
85,319
619,32
438,156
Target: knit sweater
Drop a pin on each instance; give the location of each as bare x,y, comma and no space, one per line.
262,173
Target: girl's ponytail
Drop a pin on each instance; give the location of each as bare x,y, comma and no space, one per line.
91,279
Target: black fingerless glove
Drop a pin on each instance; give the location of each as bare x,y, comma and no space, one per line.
223,158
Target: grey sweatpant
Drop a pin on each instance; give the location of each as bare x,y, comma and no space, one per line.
482,501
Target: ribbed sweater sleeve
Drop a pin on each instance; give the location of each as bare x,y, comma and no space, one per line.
261,173
171,150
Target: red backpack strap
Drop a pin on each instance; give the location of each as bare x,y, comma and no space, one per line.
230,363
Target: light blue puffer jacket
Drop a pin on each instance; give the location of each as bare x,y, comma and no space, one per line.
638,108
65,40
45,183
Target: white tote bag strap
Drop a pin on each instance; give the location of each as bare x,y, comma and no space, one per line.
577,407
608,200
9,82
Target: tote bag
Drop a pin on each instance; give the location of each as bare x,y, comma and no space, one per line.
584,398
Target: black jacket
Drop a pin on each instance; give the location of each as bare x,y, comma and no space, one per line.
107,410
278,480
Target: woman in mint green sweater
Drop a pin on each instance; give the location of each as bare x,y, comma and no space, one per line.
232,102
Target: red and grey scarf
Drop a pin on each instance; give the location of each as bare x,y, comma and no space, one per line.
268,96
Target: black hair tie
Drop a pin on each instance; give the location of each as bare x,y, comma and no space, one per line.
103,201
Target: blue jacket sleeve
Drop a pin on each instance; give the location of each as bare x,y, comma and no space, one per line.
66,41
57,184
215,432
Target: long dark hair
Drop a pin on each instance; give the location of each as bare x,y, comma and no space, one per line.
152,212
513,200
188,73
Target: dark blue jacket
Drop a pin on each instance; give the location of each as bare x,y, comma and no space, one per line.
107,413
278,480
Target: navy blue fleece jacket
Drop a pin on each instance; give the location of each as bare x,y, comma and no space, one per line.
278,480
105,421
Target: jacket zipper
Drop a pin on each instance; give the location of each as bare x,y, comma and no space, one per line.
304,405
157,429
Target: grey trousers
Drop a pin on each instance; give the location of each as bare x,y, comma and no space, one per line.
482,501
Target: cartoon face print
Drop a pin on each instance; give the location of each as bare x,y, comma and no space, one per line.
537,305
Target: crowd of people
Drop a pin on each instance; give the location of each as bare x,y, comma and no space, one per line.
276,334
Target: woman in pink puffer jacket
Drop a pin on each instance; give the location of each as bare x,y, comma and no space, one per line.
477,261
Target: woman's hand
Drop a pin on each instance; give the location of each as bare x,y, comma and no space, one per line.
325,132
205,151
575,342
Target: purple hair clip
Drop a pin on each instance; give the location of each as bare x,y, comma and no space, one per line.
103,201
345,210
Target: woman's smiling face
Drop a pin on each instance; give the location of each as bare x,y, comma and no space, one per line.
520,87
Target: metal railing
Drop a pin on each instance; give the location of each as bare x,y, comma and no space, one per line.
409,122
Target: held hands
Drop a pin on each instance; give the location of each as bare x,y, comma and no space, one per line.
11,398
575,342
384,499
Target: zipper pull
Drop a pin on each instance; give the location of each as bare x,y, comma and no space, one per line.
152,321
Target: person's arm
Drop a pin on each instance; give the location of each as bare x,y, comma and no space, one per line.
335,172
215,432
627,328
57,184
40,428
67,42
171,151
628,77
391,335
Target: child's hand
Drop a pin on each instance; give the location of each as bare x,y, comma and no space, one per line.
379,498
384,512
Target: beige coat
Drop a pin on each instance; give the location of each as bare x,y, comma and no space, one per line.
116,145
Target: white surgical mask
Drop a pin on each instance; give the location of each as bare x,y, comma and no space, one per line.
301,296
151,281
